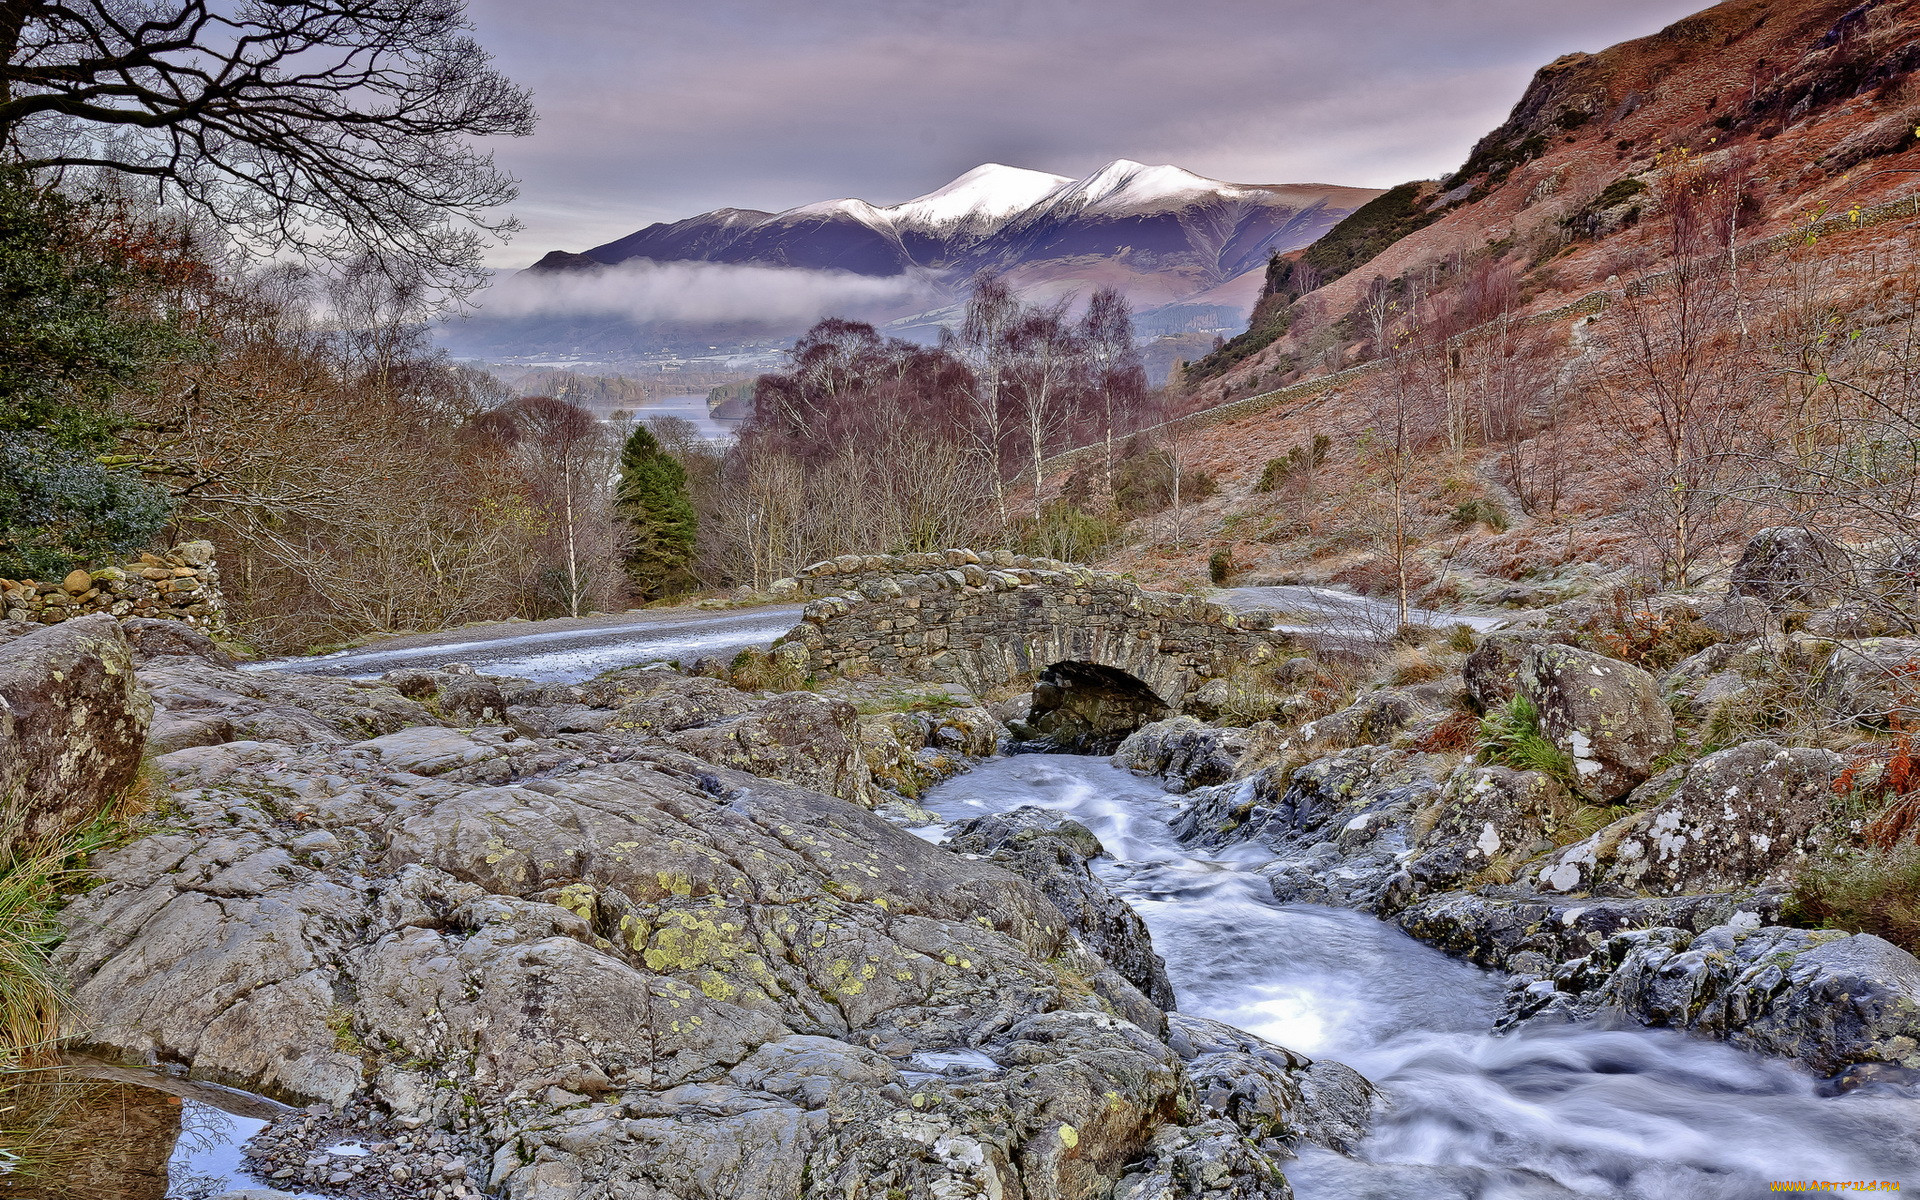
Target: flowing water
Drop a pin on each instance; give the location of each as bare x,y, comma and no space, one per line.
1571,1111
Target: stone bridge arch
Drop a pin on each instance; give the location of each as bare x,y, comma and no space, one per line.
987,621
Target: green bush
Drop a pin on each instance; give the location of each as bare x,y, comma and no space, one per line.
60,509
1220,566
1864,891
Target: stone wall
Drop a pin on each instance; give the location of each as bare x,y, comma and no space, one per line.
983,625
181,585
835,576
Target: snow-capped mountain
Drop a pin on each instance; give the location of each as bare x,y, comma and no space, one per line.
1187,251
1160,231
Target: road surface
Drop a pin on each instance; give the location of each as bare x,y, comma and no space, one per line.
1343,614
567,650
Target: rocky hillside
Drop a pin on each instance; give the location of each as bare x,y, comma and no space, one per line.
1513,325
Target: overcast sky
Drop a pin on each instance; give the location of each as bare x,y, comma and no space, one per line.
654,110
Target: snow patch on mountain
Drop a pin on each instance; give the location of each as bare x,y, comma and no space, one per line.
989,193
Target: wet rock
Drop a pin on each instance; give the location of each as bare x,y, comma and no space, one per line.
1787,567
1208,1161
1184,751
1270,1092
1826,998
1606,715
908,752
73,724
1740,817
1053,852
1529,933
1339,825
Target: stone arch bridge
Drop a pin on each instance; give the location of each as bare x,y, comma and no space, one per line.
1103,654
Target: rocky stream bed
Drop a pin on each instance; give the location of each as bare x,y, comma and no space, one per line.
654,935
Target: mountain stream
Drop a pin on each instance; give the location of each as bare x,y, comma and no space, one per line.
1562,1112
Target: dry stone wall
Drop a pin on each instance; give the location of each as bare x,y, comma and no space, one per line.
980,624
182,585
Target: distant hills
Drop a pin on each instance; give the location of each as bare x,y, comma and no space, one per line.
1188,251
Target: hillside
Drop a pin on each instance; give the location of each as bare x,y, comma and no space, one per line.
1689,218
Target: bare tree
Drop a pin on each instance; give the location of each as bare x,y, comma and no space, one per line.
1675,405
331,127
1048,357
1118,376
982,342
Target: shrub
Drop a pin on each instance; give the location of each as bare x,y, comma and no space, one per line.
1455,734
1868,891
1294,462
1220,566
1632,630
755,670
1510,736
1065,531
1460,638
1480,511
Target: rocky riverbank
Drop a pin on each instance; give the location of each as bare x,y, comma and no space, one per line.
1644,867
643,937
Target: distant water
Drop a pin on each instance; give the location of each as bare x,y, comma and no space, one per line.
694,409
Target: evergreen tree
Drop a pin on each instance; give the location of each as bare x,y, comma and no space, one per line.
652,498
82,323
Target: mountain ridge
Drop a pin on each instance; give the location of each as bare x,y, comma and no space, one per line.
998,217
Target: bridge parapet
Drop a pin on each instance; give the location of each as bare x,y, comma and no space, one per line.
984,625
835,576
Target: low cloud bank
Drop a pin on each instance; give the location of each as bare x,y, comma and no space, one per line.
647,292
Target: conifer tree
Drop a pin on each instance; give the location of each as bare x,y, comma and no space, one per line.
653,499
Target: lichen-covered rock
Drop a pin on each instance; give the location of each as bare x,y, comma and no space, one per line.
1874,681
1492,671
808,740
1053,852
631,981
909,752
1487,815
1372,720
1741,817
1786,567
151,639
201,702
668,702
1184,751
73,724
1742,617
1606,715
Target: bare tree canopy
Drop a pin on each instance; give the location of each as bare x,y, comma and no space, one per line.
328,127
